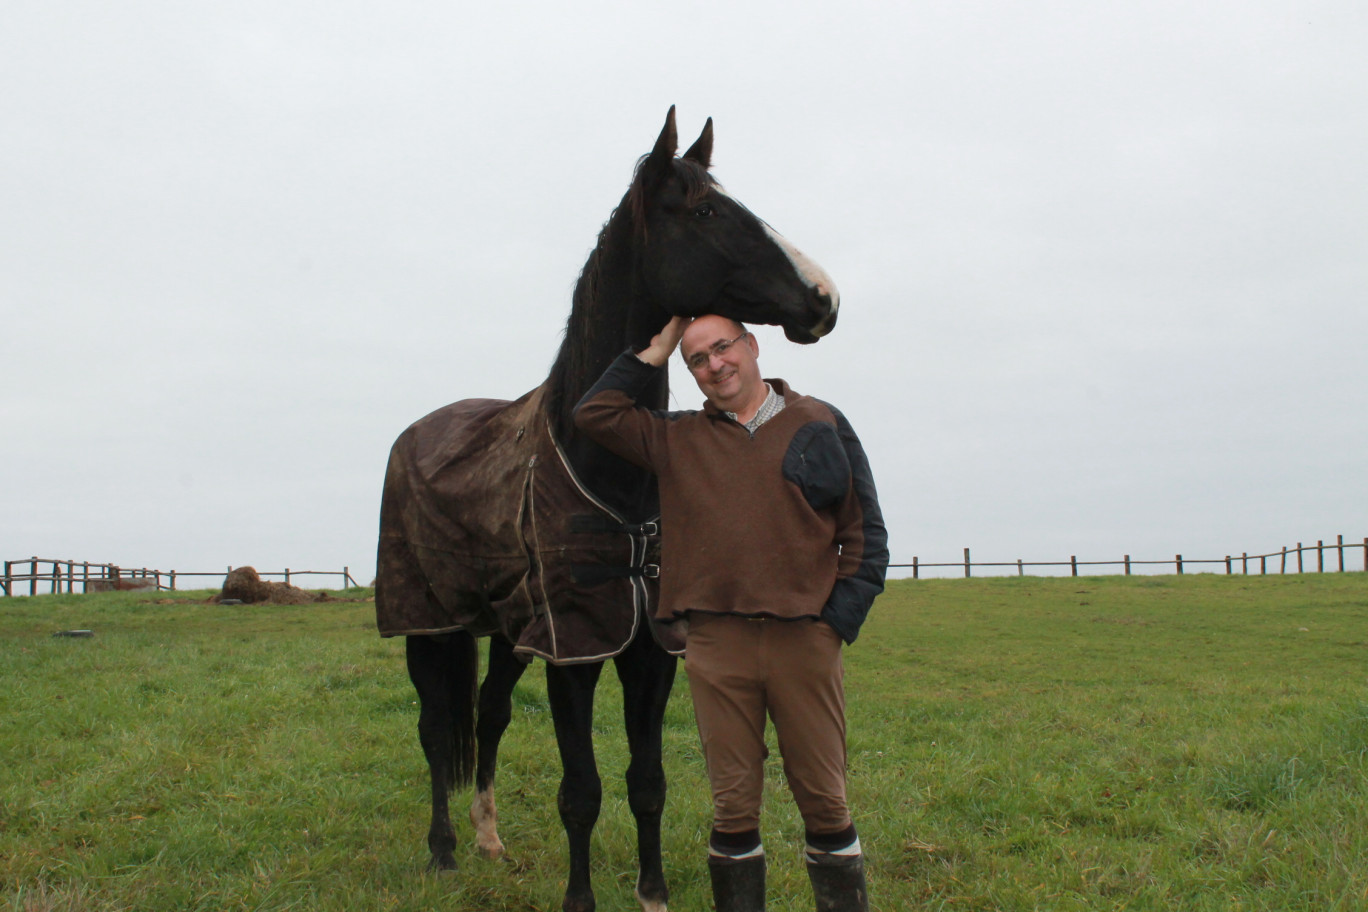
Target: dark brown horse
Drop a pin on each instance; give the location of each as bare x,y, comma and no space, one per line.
499,519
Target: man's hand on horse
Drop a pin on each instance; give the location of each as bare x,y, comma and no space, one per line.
665,342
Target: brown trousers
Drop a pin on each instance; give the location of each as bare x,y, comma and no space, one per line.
739,670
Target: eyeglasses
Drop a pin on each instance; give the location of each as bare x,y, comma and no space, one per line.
699,360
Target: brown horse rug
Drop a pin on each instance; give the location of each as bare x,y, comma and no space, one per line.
484,527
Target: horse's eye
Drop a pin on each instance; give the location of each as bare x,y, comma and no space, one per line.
703,210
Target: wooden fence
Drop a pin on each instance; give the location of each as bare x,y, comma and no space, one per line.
1244,562
66,575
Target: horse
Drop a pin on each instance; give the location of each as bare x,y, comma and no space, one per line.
500,520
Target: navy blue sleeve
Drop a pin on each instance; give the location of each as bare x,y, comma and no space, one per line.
854,592
608,413
627,374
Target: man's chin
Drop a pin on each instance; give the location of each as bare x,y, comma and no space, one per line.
723,403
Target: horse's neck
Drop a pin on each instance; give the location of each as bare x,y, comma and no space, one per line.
608,316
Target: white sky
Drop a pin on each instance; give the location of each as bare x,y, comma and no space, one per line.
1103,266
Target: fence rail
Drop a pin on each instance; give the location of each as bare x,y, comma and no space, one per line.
1178,562
66,575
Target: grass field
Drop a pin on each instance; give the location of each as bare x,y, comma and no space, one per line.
1155,743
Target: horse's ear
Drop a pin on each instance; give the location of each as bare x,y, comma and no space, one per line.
701,150
656,167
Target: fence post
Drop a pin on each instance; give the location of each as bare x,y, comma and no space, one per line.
1365,556
33,575
173,580
1127,565
287,576
966,563
1340,540
1021,570
1227,565
1073,564
6,581
347,577
1178,559
1299,557
916,572
1320,555
1263,564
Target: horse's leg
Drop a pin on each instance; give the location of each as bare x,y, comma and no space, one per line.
496,711
647,673
571,692
444,670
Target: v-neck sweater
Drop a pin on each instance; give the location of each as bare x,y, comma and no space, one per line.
780,523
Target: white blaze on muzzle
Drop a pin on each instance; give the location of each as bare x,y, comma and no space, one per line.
814,276
811,274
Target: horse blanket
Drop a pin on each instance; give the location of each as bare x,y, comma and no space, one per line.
484,527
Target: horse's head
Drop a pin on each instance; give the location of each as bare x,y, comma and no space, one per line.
701,251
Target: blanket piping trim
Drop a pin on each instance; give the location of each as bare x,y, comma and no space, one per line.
639,595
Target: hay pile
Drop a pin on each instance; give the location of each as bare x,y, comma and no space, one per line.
245,585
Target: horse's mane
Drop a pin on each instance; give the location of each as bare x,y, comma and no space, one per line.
590,335
578,355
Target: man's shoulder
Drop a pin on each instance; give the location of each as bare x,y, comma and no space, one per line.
804,405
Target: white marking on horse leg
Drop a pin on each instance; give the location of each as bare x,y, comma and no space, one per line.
485,818
650,905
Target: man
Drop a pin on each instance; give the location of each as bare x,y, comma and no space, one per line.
773,549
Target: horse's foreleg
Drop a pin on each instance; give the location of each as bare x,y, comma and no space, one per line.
647,674
496,711
443,670
571,692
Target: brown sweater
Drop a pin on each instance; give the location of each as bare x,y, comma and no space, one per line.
785,523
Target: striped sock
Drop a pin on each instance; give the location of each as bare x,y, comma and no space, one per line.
725,847
832,848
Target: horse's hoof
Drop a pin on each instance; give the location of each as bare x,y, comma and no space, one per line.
443,862
651,905
485,818
652,893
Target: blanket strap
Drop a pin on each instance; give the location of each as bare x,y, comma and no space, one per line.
592,574
589,522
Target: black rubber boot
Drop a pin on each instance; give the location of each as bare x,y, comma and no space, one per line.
838,883
738,883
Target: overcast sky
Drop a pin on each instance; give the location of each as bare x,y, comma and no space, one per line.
1103,266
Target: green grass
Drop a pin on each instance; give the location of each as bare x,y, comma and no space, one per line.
1157,743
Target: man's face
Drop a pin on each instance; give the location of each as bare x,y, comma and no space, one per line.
731,380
